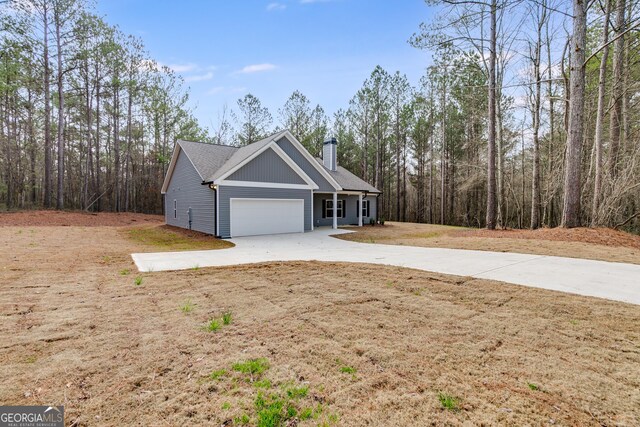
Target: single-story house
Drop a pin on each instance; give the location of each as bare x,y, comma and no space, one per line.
271,186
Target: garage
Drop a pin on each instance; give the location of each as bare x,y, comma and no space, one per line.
250,217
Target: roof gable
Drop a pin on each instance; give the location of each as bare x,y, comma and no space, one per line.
205,158
268,166
240,155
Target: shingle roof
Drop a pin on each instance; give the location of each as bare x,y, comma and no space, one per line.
213,160
207,158
349,181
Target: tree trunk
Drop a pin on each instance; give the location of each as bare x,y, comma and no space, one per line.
491,144
572,181
98,186
549,206
397,132
116,146
597,186
48,161
617,94
128,158
443,158
32,148
535,179
60,189
89,159
501,219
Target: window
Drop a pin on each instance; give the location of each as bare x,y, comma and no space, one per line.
175,209
327,211
365,208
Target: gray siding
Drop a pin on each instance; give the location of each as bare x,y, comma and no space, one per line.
350,218
267,167
228,192
186,189
304,164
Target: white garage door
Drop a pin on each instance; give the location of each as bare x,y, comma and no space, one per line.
250,217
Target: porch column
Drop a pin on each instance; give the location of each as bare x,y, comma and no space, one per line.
335,211
360,213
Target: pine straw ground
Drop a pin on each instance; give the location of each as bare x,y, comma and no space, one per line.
602,244
342,344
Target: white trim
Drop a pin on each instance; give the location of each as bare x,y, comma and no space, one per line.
280,152
231,199
234,183
360,206
261,198
347,193
320,168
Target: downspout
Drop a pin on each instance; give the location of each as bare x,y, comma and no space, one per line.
215,205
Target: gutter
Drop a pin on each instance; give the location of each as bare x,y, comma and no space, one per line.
215,206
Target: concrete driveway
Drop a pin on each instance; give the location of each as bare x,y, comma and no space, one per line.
615,281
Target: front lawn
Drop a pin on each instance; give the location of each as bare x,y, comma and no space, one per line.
303,342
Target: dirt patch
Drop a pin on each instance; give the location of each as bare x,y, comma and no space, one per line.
374,345
169,238
598,244
76,218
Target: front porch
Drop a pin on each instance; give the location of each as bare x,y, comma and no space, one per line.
353,208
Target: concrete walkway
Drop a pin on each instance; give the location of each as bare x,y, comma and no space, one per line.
615,281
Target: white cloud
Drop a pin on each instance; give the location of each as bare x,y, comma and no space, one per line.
233,89
215,90
199,77
183,68
276,6
257,68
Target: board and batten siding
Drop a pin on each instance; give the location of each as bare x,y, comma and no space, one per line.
267,167
351,215
226,193
186,189
303,163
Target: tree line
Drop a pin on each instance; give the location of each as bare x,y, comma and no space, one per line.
88,118
527,116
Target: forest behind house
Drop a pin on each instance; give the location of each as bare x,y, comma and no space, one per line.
528,116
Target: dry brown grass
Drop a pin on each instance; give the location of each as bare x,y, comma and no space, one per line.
599,244
48,218
76,331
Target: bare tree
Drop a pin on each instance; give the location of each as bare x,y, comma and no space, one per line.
617,89
535,49
572,181
598,146
491,142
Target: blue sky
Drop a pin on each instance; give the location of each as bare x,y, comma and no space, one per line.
225,49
